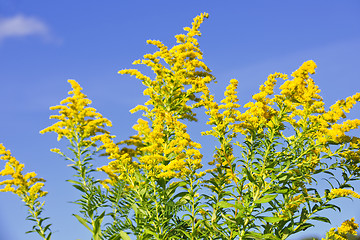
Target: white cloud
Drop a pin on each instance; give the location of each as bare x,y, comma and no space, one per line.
20,26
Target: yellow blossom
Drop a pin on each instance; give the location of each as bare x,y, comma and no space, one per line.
76,117
166,149
27,186
334,193
292,205
341,233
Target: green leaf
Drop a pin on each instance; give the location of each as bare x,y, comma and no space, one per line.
186,233
270,236
213,217
272,219
80,188
249,175
49,236
266,199
184,200
39,232
151,233
124,235
74,182
254,235
116,237
97,224
180,195
282,190
228,217
304,214
332,206
82,221
47,227
224,204
303,227
135,208
240,207
321,219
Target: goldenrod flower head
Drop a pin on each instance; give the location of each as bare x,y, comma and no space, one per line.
341,107
183,67
166,150
340,192
341,233
55,150
301,89
349,226
223,116
121,168
292,206
27,186
76,117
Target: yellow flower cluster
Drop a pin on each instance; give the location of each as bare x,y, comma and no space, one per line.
341,233
334,193
166,149
121,168
27,186
76,117
329,128
352,155
223,117
336,131
300,100
301,88
260,112
228,107
167,90
292,205
341,107
298,104
349,226
300,97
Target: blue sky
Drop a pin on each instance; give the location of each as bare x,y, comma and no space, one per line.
44,43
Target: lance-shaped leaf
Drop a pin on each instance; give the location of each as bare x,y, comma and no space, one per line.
322,219
272,219
124,236
224,204
83,221
266,199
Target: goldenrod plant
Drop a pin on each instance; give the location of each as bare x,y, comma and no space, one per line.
29,188
262,182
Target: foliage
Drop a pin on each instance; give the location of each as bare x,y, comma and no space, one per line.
266,168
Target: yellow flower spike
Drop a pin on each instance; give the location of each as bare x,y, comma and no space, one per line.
260,112
76,117
341,233
334,193
167,150
302,90
139,108
305,69
27,186
349,226
338,110
122,167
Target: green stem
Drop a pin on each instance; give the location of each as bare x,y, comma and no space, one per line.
35,214
193,215
83,173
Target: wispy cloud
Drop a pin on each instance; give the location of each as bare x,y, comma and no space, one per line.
21,26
